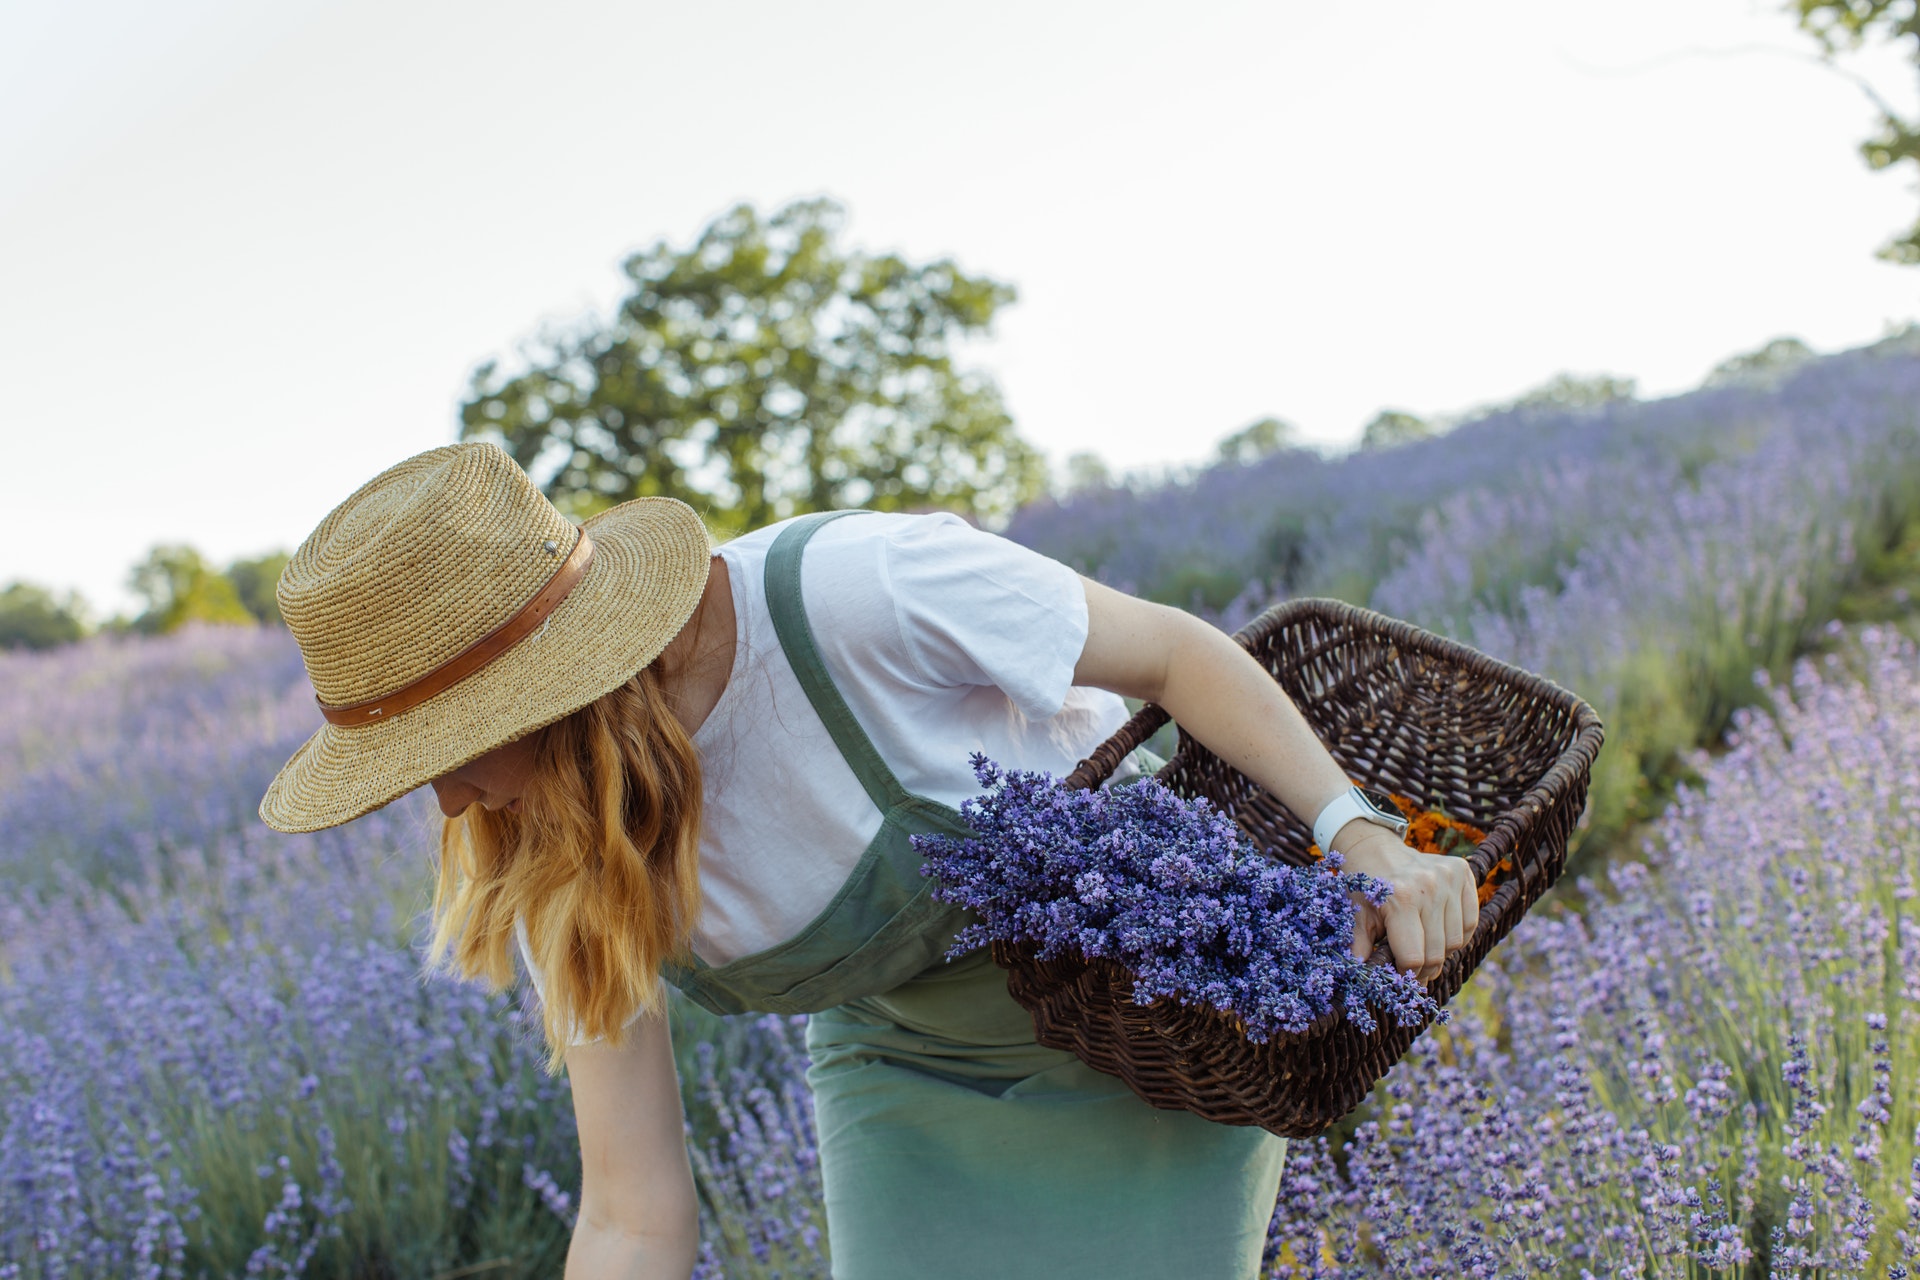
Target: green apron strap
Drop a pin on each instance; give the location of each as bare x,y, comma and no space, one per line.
789,613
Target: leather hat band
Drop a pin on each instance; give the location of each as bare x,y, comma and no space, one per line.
476,655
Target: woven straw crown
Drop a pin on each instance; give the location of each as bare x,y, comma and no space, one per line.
415,567
431,557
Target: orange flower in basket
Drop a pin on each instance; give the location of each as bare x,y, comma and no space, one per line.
1432,831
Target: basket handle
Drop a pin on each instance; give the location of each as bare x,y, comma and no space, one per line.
1106,757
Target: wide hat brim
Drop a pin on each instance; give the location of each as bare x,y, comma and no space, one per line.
650,562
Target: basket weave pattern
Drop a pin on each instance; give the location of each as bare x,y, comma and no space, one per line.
1400,709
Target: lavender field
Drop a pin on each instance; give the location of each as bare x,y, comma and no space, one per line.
218,1056
1651,556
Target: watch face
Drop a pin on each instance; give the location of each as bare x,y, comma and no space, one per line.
1383,802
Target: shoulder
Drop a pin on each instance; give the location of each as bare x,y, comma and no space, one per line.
933,602
875,543
926,568
933,547
854,532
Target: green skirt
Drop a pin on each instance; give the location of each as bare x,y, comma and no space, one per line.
953,1146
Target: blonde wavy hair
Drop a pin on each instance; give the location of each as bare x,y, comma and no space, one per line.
600,863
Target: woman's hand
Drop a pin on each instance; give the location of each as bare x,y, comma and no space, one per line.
1433,909
639,1219
1221,696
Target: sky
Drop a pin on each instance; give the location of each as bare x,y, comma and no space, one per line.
250,254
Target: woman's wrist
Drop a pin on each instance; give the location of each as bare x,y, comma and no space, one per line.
1363,846
599,1249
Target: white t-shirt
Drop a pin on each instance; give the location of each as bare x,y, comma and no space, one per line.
943,640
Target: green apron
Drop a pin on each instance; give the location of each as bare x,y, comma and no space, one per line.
951,1144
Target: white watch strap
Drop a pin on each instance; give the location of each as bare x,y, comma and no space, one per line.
1344,808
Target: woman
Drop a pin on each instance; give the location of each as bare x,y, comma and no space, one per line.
658,759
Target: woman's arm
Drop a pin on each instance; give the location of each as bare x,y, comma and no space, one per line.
639,1219
1221,696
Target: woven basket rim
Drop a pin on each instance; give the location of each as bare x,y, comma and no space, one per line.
1583,747
1329,1067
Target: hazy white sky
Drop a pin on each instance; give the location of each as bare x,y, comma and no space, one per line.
249,253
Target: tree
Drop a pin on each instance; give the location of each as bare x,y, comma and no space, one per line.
1391,428
1578,391
766,371
179,586
254,582
1258,439
1765,366
1840,25
32,617
1088,470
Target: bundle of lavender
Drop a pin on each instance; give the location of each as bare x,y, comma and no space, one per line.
1171,890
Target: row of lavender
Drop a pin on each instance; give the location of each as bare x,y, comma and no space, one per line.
1712,1070
231,1066
217,1053
1650,555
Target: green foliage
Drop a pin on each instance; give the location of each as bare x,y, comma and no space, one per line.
254,582
1764,366
1199,588
1088,470
766,371
1841,24
1578,391
408,1215
179,586
1258,439
1391,428
1285,550
32,617
1848,24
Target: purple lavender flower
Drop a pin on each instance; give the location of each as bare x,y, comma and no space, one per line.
1172,890
210,999
758,1170
1636,1110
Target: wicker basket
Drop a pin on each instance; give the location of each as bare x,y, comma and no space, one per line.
1400,709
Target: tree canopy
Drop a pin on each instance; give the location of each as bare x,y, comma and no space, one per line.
1840,25
763,371
1087,470
1391,428
254,582
179,586
1577,391
32,617
1763,366
1258,439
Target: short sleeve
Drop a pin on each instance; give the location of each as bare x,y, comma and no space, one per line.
575,1036
977,609
536,977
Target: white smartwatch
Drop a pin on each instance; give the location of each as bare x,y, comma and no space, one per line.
1363,803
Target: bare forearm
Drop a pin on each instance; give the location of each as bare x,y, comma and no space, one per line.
1220,695
639,1218
1217,692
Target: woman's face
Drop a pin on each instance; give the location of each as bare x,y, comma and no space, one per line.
494,781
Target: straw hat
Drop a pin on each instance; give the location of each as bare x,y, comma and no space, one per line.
447,608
